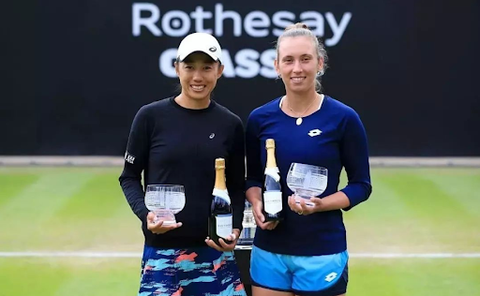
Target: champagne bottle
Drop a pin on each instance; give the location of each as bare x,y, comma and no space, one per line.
220,220
272,190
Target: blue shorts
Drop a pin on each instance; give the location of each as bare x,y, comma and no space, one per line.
192,271
325,275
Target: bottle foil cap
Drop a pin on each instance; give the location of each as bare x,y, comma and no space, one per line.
270,143
220,163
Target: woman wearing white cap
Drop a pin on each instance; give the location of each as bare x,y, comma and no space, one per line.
176,141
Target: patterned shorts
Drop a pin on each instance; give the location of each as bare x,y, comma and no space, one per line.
189,272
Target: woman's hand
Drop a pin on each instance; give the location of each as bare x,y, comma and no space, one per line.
254,196
225,247
257,208
302,208
158,227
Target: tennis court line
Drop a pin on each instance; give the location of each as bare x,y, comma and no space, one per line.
139,255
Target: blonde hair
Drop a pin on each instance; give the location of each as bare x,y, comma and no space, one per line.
300,29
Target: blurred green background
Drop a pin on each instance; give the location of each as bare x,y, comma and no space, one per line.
424,211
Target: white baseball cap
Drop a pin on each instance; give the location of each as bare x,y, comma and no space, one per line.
202,42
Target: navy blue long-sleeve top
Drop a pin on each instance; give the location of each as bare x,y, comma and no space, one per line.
332,137
174,145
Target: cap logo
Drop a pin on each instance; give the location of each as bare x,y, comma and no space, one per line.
213,49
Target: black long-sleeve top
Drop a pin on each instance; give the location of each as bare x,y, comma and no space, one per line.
174,145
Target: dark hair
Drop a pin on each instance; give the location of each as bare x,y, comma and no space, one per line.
300,29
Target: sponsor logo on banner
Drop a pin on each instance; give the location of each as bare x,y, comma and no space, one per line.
152,19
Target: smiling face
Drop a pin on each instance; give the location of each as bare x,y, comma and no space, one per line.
298,63
198,75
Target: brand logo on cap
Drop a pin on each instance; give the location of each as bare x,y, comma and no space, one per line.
213,49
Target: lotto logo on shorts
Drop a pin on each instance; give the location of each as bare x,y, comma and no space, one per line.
331,276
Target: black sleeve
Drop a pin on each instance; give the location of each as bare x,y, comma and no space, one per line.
254,166
235,175
136,158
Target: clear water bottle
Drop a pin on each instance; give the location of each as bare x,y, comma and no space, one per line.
249,226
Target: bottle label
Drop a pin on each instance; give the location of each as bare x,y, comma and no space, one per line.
272,201
224,225
223,194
